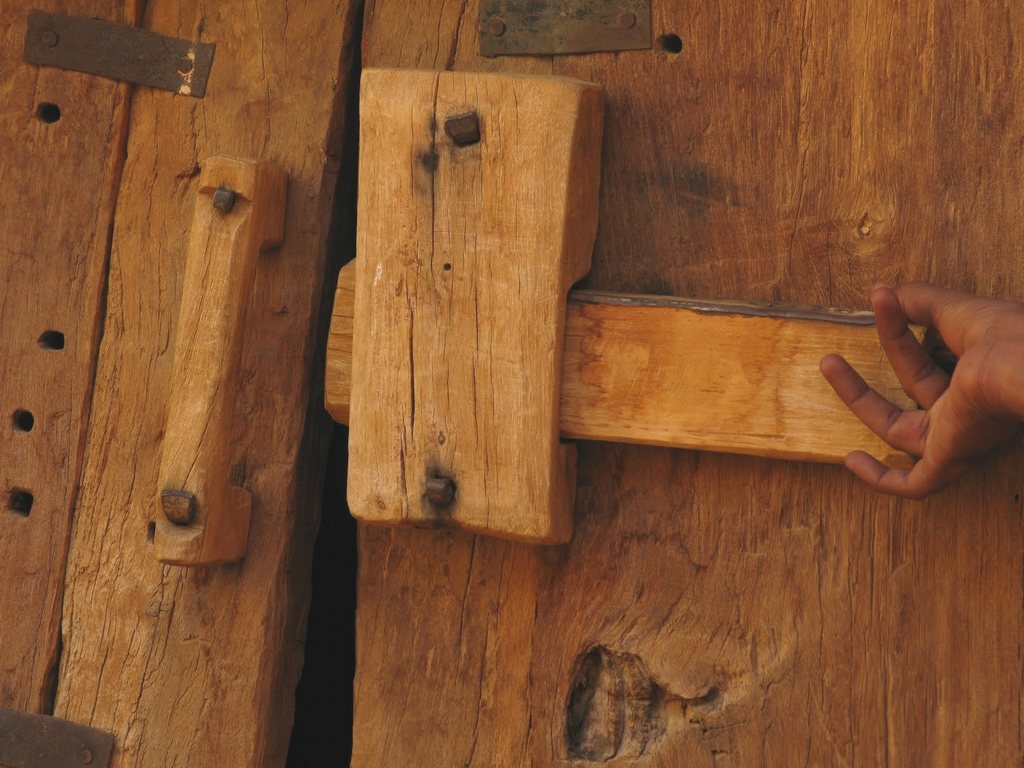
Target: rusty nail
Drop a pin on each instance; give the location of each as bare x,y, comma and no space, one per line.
87,757
463,129
179,506
50,38
224,199
627,20
496,26
440,491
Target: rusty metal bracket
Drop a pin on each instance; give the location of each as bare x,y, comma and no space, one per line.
519,27
41,741
127,54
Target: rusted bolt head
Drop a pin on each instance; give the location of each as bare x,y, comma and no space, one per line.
496,26
50,38
440,491
87,756
179,506
627,20
463,129
224,199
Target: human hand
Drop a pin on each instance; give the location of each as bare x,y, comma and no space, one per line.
962,416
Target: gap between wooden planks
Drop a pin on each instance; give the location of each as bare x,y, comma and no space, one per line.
713,376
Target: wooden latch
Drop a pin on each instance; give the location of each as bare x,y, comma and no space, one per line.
459,363
41,741
203,518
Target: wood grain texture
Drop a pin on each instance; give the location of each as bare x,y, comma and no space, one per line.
733,383
780,614
56,208
197,666
730,378
465,256
220,270
338,368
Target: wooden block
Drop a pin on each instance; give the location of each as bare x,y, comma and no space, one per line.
202,518
466,252
712,376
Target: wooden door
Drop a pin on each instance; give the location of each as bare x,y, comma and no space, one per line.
61,137
191,666
722,610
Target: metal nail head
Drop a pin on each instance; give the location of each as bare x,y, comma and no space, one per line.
224,199
179,506
50,38
440,491
627,20
463,129
496,26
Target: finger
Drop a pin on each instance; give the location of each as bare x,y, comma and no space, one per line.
921,480
953,315
917,372
905,431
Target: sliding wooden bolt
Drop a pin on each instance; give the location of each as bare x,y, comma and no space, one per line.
459,363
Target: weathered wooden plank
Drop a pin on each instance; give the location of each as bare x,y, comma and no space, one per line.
467,248
659,371
61,144
198,666
796,152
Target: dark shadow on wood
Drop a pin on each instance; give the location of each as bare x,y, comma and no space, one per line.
322,730
322,734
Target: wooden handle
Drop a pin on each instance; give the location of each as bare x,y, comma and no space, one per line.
201,518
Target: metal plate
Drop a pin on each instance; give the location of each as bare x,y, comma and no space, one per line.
127,54
729,307
511,27
40,741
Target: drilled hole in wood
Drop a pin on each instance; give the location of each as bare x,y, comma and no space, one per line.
20,502
51,340
671,43
23,420
48,112
447,267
